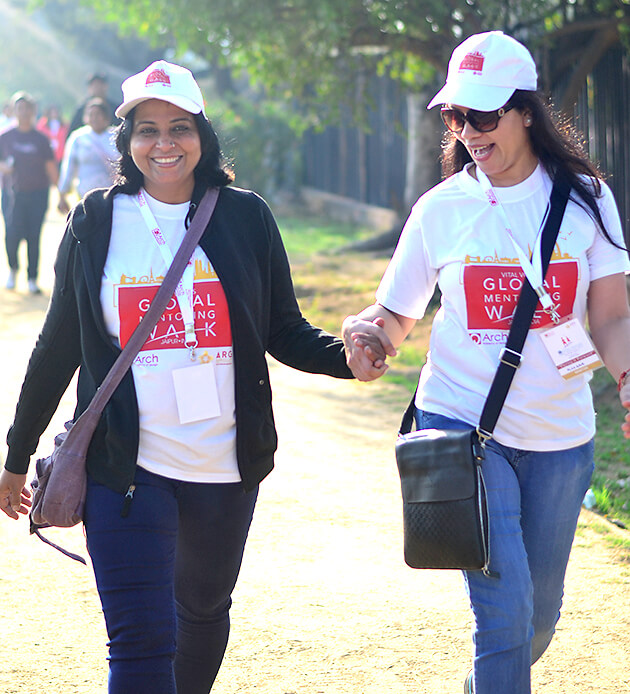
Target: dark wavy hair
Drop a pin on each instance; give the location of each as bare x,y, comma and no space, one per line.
210,171
558,148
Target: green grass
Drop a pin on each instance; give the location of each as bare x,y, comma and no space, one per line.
306,236
611,480
331,284
615,541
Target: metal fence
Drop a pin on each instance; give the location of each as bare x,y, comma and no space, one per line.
369,166
602,116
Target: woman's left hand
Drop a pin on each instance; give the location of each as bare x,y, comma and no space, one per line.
624,396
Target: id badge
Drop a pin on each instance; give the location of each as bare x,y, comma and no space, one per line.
196,393
571,348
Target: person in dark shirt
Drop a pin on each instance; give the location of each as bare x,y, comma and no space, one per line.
27,157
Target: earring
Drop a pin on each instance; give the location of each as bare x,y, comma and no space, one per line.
528,121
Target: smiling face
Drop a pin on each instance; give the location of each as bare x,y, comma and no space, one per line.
505,155
166,148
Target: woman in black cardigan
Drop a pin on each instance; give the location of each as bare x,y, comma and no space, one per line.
182,445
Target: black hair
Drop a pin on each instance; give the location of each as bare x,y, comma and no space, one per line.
210,171
97,102
557,146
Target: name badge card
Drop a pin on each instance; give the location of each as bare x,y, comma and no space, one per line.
571,348
196,393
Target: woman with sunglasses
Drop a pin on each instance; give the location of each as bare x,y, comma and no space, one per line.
475,234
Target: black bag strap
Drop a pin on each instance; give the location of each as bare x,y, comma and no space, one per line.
511,354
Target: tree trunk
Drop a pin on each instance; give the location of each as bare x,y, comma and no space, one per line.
422,171
423,142
590,56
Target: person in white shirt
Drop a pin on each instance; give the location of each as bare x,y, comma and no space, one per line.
90,155
502,141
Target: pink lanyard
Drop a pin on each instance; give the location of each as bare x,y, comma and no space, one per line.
184,291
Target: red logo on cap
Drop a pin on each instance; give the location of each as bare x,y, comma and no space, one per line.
472,61
158,76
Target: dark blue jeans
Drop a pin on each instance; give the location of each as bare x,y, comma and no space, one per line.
165,576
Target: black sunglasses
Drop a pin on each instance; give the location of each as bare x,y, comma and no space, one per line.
481,121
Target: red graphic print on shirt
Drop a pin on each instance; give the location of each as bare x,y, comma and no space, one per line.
212,322
492,291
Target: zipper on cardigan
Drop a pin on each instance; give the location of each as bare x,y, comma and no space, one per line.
127,501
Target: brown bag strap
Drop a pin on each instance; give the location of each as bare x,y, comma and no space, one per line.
160,301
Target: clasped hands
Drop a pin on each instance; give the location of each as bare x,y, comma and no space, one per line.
367,347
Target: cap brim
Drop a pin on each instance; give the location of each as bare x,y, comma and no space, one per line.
478,96
180,101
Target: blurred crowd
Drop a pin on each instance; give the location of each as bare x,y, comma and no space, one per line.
40,150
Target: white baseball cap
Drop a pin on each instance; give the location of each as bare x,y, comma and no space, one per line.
485,70
164,81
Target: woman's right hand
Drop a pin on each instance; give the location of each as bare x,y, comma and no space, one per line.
6,167
15,498
63,207
367,347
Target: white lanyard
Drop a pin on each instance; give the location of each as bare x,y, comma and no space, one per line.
184,290
533,269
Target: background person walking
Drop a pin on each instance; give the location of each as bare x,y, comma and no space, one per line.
27,157
55,129
90,155
97,87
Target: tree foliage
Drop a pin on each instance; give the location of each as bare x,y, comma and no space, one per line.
77,25
49,49
314,51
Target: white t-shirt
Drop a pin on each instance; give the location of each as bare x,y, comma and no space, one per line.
89,157
455,237
197,451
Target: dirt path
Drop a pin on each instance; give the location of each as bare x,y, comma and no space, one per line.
325,604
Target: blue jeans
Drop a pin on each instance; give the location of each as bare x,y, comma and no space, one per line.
165,574
534,501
